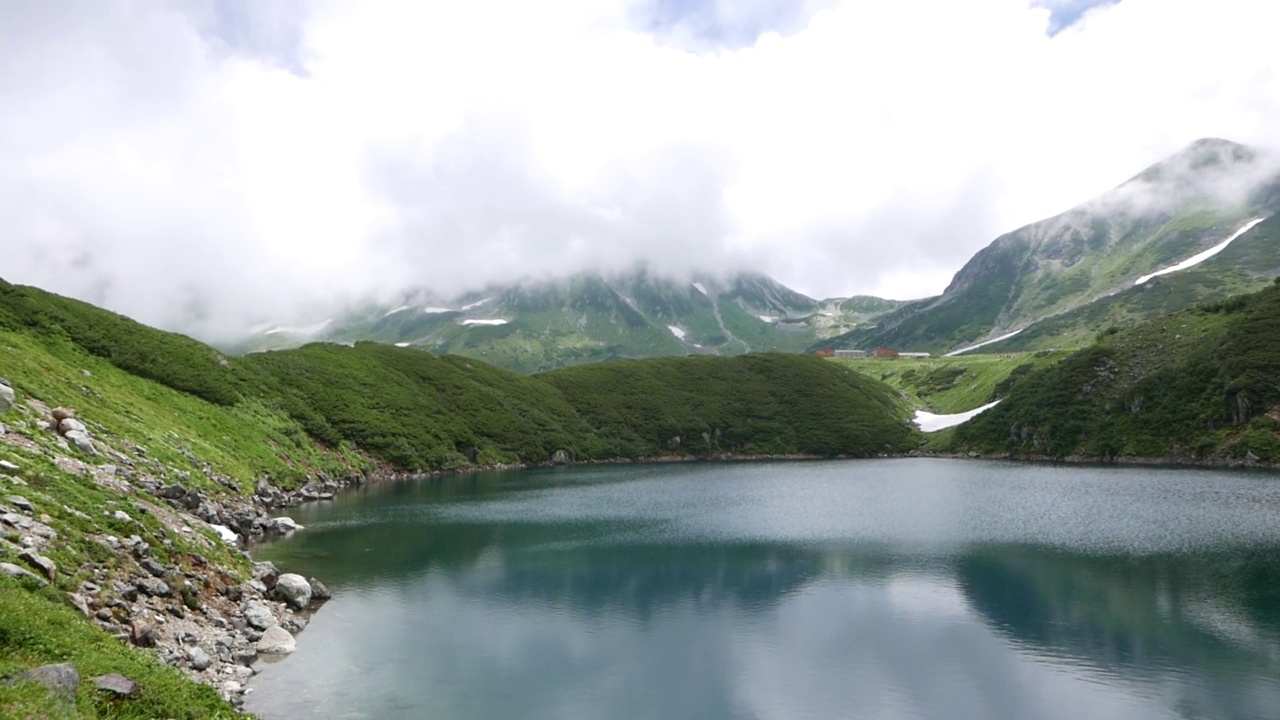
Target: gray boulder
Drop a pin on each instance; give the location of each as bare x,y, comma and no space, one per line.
82,442
41,563
200,659
11,570
258,615
62,679
8,468
142,634
276,641
154,587
7,398
67,425
294,589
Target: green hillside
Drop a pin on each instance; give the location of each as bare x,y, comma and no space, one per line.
1200,384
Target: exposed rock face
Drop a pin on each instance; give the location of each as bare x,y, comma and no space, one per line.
116,684
276,641
294,589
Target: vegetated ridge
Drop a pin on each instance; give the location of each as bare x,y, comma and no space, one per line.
1201,385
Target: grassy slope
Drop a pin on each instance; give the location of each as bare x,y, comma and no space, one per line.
954,384
1202,383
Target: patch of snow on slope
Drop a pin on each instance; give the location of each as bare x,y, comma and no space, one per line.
702,289
402,344
484,322
476,304
434,310
677,331
984,343
402,308
1202,256
227,534
767,318
308,330
929,422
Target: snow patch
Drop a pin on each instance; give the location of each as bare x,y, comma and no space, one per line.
227,534
701,288
402,308
984,343
402,344
677,331
435,310
929,422
767,318
494,321
1202,256
476,304
308,330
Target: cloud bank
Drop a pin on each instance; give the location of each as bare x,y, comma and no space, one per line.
207,165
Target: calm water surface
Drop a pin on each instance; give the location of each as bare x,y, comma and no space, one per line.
860,589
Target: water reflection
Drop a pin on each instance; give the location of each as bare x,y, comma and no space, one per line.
496,598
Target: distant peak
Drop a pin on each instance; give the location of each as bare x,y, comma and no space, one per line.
1202,154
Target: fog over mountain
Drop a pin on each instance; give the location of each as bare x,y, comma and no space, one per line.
211,164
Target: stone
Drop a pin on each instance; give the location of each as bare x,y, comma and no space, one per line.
62,413
16,520
152,567
294,589
11,570
154,587
319,592
284,525
258,615
245,657
200,660
71,425
21,503
7,398
560,457
62,679
266,572
142,634
122,516
3,429
41,563
8,468
82,442
79,603
173,492
116,684
276,641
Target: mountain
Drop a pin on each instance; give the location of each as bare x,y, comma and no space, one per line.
1126,249
1198,385
539,325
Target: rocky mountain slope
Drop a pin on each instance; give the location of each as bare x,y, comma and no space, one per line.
1210,192
536,326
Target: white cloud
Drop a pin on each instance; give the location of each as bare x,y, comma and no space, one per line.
197,174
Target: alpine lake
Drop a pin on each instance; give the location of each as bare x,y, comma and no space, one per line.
904,588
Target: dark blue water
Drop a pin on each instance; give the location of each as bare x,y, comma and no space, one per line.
858,589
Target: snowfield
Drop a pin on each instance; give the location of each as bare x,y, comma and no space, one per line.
435,310
984,343
402,308
476,304
676,331
929,422
308,330
1202,256
494,321
702,289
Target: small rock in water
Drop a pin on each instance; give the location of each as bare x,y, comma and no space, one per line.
294,589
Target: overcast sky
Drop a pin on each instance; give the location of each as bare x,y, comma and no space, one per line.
205,165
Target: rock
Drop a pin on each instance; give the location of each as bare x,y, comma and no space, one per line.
21,503
560,457
142,634
11,570
3,429
173,492
266,572
283,525
7,398
245,657
82,442
41,563
62,413
154,587
319,592
122,516
276,641
16,520
200,660
116,684
152,567
61,679
294,589
258,615
8,468
69,425
79,603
